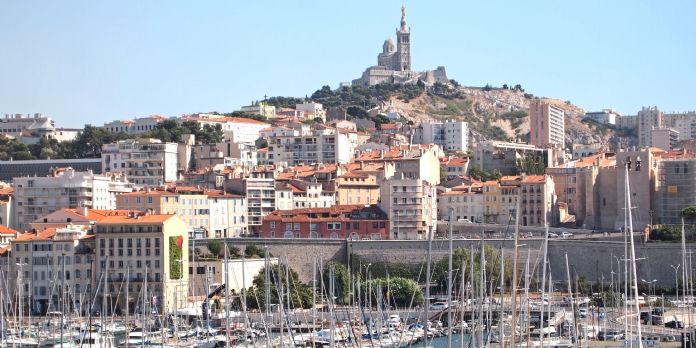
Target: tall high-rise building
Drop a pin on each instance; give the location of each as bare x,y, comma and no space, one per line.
648,119
546,123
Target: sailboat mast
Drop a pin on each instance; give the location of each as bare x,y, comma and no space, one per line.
449,281
543,281
633,257
502,296
514,273
227,297
427,288
127,301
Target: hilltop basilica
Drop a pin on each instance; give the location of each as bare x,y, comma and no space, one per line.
394,63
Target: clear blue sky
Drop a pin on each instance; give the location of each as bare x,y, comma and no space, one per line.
94,61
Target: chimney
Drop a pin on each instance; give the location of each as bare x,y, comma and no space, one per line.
83,211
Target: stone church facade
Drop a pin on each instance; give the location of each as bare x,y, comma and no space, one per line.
394,63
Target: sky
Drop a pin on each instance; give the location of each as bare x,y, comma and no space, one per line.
90,62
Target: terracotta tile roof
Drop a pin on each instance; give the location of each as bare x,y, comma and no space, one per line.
46,234
6,230
138,219
4,249
534,179
96,214
457,161
390,126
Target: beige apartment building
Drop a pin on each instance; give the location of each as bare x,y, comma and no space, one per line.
142,249
411,206
356,188
546,123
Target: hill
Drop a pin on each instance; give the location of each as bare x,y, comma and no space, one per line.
492,113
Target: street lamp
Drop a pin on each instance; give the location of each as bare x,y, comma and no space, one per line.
676,280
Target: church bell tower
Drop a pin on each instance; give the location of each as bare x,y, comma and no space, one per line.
403,44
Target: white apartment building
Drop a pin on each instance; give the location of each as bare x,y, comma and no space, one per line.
207,214
465,203
146,162
295,194
14,124
65,188
314,110
304,145
236,129
134,126
606,116
451,135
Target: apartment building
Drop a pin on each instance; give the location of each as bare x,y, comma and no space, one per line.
450,136
464,202
414,162
538,200
146,162
306,145
492,155
356,188
411,205
606,116
546,123
50,265
260,108
6,204
664,138
259,190
135,126
455,167
499,202
354,222
312,110
294,194
206,213
676,186
65,188
649,118
150,249
236,129
14,124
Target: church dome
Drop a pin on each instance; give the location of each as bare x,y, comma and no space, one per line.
388,46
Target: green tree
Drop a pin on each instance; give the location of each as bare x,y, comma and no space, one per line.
492,262
215,247
341,286
233,252
253,251
531,164
397,291
300,293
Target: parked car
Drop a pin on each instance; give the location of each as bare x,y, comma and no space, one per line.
582,312
610,335
553,235
675,324
566,234
438,306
